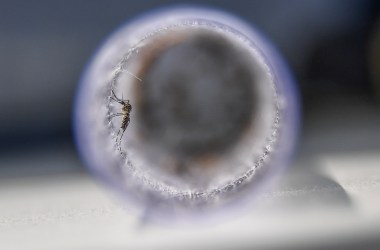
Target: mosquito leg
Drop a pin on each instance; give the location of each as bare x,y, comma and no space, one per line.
114,115
115,98
129,73
122,135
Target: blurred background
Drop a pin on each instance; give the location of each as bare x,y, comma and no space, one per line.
331,46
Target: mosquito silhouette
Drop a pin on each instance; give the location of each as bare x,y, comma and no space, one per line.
126,109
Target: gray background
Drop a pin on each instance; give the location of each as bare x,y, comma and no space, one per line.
45,45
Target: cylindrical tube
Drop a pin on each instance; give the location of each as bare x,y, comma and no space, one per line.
186,111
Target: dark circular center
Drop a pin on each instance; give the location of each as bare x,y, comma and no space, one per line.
197,97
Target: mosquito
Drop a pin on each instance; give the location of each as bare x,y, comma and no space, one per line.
125,112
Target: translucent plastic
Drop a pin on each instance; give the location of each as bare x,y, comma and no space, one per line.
138,168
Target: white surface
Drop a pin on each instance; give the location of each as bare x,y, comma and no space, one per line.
70,211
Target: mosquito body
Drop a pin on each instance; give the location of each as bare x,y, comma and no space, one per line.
125,113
